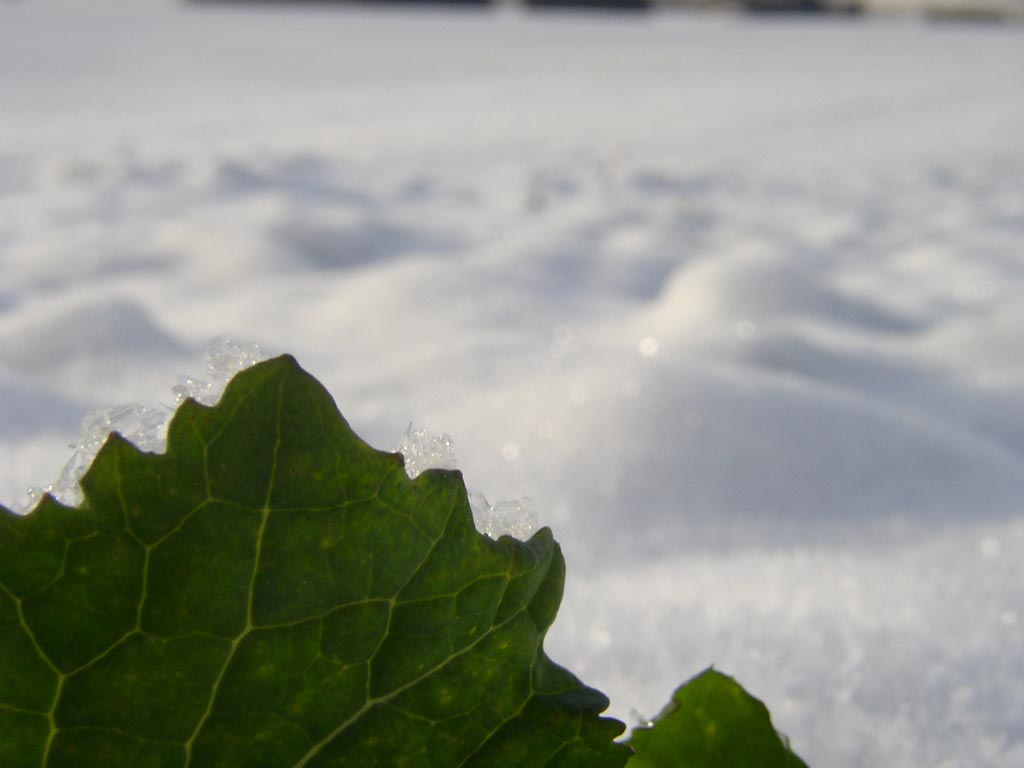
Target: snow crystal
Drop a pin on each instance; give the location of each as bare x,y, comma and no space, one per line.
224,358
143,425
513,517
146,427
424,450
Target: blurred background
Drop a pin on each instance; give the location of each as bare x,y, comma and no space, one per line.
730,291
962,10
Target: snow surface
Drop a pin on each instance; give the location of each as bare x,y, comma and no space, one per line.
736,302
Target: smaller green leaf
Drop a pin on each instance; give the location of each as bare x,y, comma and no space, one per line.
712,722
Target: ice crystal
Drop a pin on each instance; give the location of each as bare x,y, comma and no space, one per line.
424,450
146,425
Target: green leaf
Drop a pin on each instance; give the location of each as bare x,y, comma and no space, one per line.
274,592
712,723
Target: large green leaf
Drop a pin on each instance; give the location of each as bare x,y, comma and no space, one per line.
712,723
274,592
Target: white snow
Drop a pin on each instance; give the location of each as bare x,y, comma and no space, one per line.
735,301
